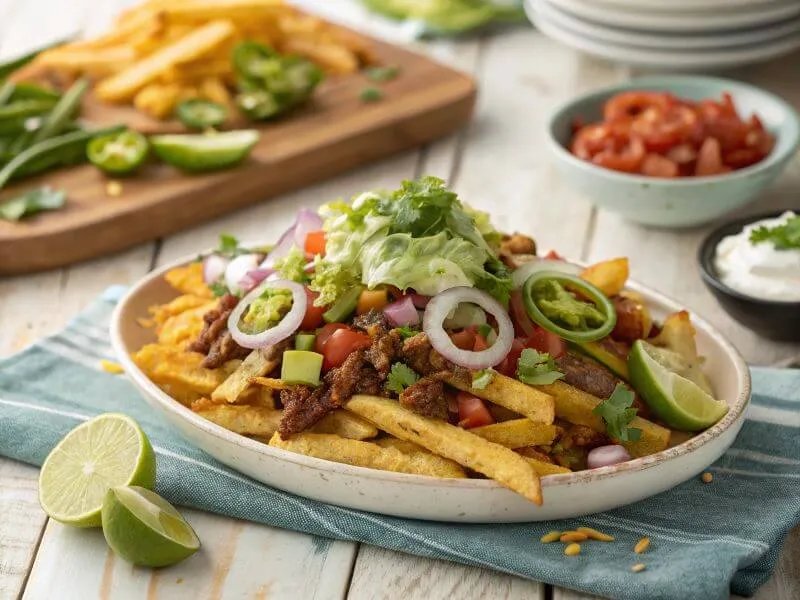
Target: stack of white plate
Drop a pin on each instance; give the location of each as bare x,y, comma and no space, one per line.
673,34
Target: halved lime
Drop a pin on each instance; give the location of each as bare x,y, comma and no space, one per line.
676,400
107,451
145,529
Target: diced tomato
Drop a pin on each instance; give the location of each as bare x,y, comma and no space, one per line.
472,412
324,334
523,326
480,343
464,339
341,344
508,366
315,242
545,341
313,316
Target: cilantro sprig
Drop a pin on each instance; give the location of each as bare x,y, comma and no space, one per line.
400,377
617,413
482,379
537,368
229,246
784,237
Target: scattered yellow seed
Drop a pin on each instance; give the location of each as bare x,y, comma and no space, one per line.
638,567
572,549
642,545
114,189
593,534
553,536
111,367
573,536
707,477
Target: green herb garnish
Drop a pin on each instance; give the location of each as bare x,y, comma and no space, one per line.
218,288
783,237
30,203
481,379
371,94
485,330
618,414
407,332
381,74
400,378
537,368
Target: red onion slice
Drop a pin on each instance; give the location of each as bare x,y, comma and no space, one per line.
419,300
237,270
441,305
605,456
288,325
307,221
252,278
402,312
214,267
521,274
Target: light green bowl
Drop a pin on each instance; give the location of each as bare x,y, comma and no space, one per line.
686,201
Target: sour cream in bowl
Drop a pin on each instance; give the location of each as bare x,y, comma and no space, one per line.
752,267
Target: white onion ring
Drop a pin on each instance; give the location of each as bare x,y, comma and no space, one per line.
605,456
288,325
521,274
214,267
438,309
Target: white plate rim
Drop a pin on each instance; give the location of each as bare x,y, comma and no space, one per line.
689,6
735,413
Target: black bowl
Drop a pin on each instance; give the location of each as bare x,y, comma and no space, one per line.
770,318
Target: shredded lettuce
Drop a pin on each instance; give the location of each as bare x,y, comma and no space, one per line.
292,266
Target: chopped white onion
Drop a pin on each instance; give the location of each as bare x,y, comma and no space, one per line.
605,456
402,312
437,311
237,270
214,267
287,326
521,274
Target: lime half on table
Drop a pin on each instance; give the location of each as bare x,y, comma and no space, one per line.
145,529
107,451
676,400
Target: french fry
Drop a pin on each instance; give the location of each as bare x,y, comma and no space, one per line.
576,406
189,280
162,312
97,62
332,57
609,276
196,71
545,468
364,454
513,395
182,328
497,462
517,433
124,85
678,334
157,100
241,11
212,88
246,420
257,395
412,449
270,383
346,425
257,363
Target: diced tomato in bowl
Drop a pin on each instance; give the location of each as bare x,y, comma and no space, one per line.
472,411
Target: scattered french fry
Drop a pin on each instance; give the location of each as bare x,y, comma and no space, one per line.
517,433
609,276
513,395
257,363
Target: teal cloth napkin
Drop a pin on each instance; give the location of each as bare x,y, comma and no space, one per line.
707,539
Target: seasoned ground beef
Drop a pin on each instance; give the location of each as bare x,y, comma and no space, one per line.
426,397
383,351
215,341
586,376
373,322
418,354
583,437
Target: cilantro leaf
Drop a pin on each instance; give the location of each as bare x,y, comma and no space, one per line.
537,368
381,74
481,379
30,203
784,237
407,332
400,378
371,94
229,246
292,266
485,330
618,414
218,288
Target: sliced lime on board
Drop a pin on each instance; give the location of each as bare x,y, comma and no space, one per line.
107,451
676,400
145,529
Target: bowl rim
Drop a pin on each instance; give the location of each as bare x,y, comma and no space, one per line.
706,252
735,414
774,158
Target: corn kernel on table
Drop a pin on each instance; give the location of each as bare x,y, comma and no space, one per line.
500,163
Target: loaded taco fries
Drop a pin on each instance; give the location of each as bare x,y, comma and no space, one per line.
402,332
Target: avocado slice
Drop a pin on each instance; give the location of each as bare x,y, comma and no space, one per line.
609,353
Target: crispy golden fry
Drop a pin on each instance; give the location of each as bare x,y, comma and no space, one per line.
156,35
609,276
162,312
213,89
241,11
513,395
497,462
183,328
125,85
246,420
633,317
411,448
517,433
545,468
97,62
332,57
157,100
173,365
365,454
189,280
191,73
257,395
256,364
678,334
270,383
576,407
346,425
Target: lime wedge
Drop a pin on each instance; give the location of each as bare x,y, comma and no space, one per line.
676,400
145,529
107,451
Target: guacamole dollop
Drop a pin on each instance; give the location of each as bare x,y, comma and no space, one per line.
561,307
267,310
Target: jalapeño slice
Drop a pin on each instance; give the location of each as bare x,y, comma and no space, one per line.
118,153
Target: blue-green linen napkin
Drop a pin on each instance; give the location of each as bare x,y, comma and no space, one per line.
707,539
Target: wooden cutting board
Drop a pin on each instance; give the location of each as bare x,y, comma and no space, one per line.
335,132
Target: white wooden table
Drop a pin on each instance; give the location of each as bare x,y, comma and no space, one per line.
501,164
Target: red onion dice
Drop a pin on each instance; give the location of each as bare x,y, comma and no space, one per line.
605,456
402,312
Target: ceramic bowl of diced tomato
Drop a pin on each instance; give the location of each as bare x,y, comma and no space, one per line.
674,151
